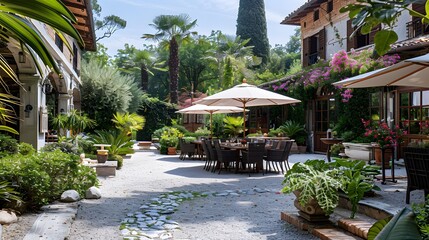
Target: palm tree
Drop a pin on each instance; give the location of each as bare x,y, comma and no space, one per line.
171,30
14,20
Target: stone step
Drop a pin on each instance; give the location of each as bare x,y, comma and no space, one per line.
333,233
355,226
54,223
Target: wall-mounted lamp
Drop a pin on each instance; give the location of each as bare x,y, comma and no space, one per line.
46,86
21,57
62,111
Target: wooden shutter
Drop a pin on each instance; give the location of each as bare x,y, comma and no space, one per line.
322,44
373,32
351,41
305,51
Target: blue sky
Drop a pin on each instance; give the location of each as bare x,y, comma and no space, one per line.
210,15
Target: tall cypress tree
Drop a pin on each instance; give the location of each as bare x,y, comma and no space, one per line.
251,24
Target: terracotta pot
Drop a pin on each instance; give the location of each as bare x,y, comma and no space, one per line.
171,151
387,157
101,158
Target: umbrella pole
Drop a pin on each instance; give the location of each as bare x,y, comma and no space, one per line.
244,120
211,127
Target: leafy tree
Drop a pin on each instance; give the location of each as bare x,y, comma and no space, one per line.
139,63
367,14
105,91
251,24
108,25
294,43
157,114
174,29
100,55
195,68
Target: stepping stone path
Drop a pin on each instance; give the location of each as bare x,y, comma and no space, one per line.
152,221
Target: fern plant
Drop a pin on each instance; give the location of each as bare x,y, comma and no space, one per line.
313,182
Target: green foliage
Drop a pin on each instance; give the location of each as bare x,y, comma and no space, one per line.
189,139
251,24
7,193
233,126
401,226
157,114
26,148
170,137
42,178
356,178
118,158
275,132
202,132
367,14
313,183
120,142
128,122
105,91
421,212
296,131
337,149
65,147
377,227
74,121
8,145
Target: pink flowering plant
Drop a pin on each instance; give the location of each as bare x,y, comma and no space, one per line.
382,134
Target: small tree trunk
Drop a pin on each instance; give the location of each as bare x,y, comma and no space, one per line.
144,77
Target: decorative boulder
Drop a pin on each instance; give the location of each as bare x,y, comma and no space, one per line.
70,196
7,217
93,193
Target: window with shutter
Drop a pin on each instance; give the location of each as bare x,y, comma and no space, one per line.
305,51
322,44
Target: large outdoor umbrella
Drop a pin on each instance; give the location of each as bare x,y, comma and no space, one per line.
204,109
411,72
246,95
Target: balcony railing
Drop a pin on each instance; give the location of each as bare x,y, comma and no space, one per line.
416,28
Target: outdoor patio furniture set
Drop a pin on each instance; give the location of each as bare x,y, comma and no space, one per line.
240,157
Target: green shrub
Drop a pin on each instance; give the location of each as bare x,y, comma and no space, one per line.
422,217
42,178
8,145
26,148
120,143
117,158
64,147
7,193
202,132
336,149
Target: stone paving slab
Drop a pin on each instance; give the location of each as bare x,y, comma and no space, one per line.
54,223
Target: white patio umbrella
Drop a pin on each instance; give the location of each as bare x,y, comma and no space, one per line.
411,72
246,95
204,109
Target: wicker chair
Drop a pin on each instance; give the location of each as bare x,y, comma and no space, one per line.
417,167
210,158
225,158
186,149
279,158
254,157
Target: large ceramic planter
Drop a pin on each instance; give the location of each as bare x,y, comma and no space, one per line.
311,211
361,151
102,155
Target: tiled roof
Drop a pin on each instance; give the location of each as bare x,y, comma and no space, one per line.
295,16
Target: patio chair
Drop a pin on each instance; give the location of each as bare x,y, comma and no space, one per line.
417,166
278,158
225,158
186,149
212,155
209,158
254,157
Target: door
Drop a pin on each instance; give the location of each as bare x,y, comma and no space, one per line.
324,114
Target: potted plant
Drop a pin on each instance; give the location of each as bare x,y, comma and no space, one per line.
316,188
384,138
169,140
